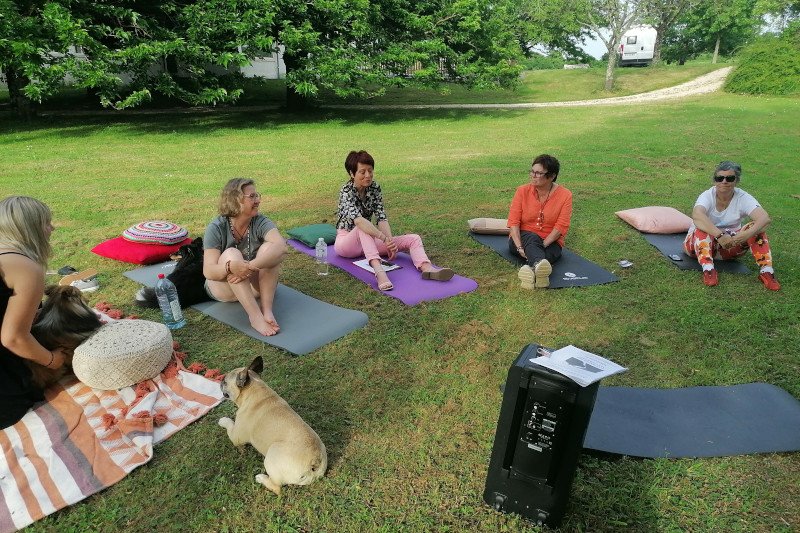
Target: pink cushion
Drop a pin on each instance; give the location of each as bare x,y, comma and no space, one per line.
656,219
489,226
133,252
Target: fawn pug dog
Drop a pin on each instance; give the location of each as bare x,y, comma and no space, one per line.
63,320
293,452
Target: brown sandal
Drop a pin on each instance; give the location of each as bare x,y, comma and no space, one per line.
444,274
86,274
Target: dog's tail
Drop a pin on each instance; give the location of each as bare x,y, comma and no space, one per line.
146,297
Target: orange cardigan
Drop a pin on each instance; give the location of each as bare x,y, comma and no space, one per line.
525,209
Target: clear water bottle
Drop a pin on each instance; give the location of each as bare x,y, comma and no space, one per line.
167,296
322,257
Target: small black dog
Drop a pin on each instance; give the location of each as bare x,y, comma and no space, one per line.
64,320
187,277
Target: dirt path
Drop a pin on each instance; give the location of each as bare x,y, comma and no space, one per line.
707,83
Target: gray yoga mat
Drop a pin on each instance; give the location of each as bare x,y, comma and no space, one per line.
306,323
672,244
571,270
694,421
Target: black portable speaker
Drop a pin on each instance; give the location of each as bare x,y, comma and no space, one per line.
540,431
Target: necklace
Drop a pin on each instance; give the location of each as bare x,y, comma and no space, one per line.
238,239
540,221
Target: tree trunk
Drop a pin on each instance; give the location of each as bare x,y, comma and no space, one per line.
294,100
716,51
660,33
610,66
20,103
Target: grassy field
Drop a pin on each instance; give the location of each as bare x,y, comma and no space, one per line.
408,405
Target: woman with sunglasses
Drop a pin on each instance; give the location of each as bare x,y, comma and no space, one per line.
242,255
717,231
539,219
361,202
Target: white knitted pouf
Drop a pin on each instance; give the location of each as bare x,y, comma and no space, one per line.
123,353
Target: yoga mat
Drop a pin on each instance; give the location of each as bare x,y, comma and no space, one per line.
306,323
571,270
409,287
694,421
672,243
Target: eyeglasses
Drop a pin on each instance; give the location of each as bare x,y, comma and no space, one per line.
253,197
538,174
729,179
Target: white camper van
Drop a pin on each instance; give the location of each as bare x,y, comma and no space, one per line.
636,48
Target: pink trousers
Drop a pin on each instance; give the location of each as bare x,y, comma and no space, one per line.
356,243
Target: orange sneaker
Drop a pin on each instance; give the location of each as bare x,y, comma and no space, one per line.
710,277
769,281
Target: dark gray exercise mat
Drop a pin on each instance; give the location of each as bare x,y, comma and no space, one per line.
672,244
694,421
571,270
306,323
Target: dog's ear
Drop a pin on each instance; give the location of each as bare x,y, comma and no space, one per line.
242,378
257,365
49,290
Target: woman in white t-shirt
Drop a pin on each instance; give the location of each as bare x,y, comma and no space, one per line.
717,231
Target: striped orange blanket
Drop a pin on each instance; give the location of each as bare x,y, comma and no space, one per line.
82,440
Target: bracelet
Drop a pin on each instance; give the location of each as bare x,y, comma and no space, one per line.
228,266
519,247
718,236
52,356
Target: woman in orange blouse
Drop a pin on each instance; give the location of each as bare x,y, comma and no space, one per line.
539,219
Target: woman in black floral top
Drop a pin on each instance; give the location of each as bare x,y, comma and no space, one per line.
361,201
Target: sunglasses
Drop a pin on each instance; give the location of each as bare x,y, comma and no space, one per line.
729,179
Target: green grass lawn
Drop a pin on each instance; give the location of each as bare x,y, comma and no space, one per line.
408,405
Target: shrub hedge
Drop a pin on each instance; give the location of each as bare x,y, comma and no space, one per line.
769,66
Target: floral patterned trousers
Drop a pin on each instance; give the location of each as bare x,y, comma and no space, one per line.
701,245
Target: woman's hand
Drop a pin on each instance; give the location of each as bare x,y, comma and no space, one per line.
726,241
521,252
391,246
738,239
240,271
59,357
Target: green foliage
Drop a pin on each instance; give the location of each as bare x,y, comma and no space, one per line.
769,66
178,49
542,62
708,24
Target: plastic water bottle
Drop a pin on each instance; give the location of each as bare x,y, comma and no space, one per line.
322,257
167,296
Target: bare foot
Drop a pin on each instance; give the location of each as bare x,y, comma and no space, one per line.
270,319
262,326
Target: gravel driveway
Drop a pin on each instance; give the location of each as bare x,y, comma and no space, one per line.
707,83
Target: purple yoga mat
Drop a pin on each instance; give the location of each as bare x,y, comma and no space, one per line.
409,287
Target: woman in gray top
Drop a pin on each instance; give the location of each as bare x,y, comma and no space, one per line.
243,252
